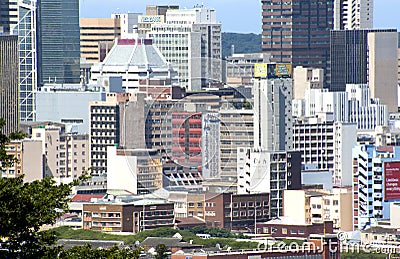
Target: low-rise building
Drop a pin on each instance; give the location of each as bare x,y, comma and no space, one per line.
130,215
291,228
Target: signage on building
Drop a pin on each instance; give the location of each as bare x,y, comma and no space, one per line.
392,181
272,70
260,70
151,19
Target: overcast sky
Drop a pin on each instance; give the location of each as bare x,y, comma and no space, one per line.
235,15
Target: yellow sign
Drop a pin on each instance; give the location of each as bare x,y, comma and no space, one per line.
260,70
283,70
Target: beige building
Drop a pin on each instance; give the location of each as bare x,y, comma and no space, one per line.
317,206
383,67
66,154
30,161
306,78
97,37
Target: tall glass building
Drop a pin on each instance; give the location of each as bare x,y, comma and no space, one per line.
58,41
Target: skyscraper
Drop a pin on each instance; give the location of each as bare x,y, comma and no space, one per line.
365,57
9,83
297,31
58,41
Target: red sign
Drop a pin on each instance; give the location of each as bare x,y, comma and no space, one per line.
392,181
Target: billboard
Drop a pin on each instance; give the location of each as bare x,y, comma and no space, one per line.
260,70
392,181
273,70
151,19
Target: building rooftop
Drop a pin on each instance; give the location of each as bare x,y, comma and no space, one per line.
286,221
135,52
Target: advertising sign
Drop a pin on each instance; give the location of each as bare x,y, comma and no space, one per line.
151,19
260,70
392,181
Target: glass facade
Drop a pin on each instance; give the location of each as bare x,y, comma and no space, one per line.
58,41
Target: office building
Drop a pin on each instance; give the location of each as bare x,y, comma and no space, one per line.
8,16
27,31
136,171
139,63
58,41
128,23
353,14
189,39
270,172
273,114
104,129
9,83
240,67
365,57
382,65
236,130
210,141
68,104
97,36
326,145
375,183
297,31
134,214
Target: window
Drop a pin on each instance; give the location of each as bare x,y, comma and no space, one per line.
243,204
191,204
235,205
265,230
284,231
293,232
273,230
335,202
235,214
327,202
301,232
250,204
199,205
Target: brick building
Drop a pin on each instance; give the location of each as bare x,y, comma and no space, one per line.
133,216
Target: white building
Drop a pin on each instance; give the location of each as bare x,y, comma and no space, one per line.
268,172
352,106
138,62
210,140
191,39
353,14
137,171
273,114
326,145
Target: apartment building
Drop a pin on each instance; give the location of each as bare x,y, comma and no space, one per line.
375,178
30,161
305,78
353,14
270,172
317,206
66,155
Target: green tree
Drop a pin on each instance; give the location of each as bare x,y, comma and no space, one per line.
25,207
161,251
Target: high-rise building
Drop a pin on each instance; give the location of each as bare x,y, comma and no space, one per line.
95,33
58,41
365,56
8,16
353,14
297,31
191,38
9,105
26,29
273,114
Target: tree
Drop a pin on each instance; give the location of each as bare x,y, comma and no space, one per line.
25,207
161,251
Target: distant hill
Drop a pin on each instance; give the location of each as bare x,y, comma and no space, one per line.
244,43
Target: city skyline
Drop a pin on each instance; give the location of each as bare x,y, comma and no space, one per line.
227,13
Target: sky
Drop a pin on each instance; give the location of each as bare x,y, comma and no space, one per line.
242,16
